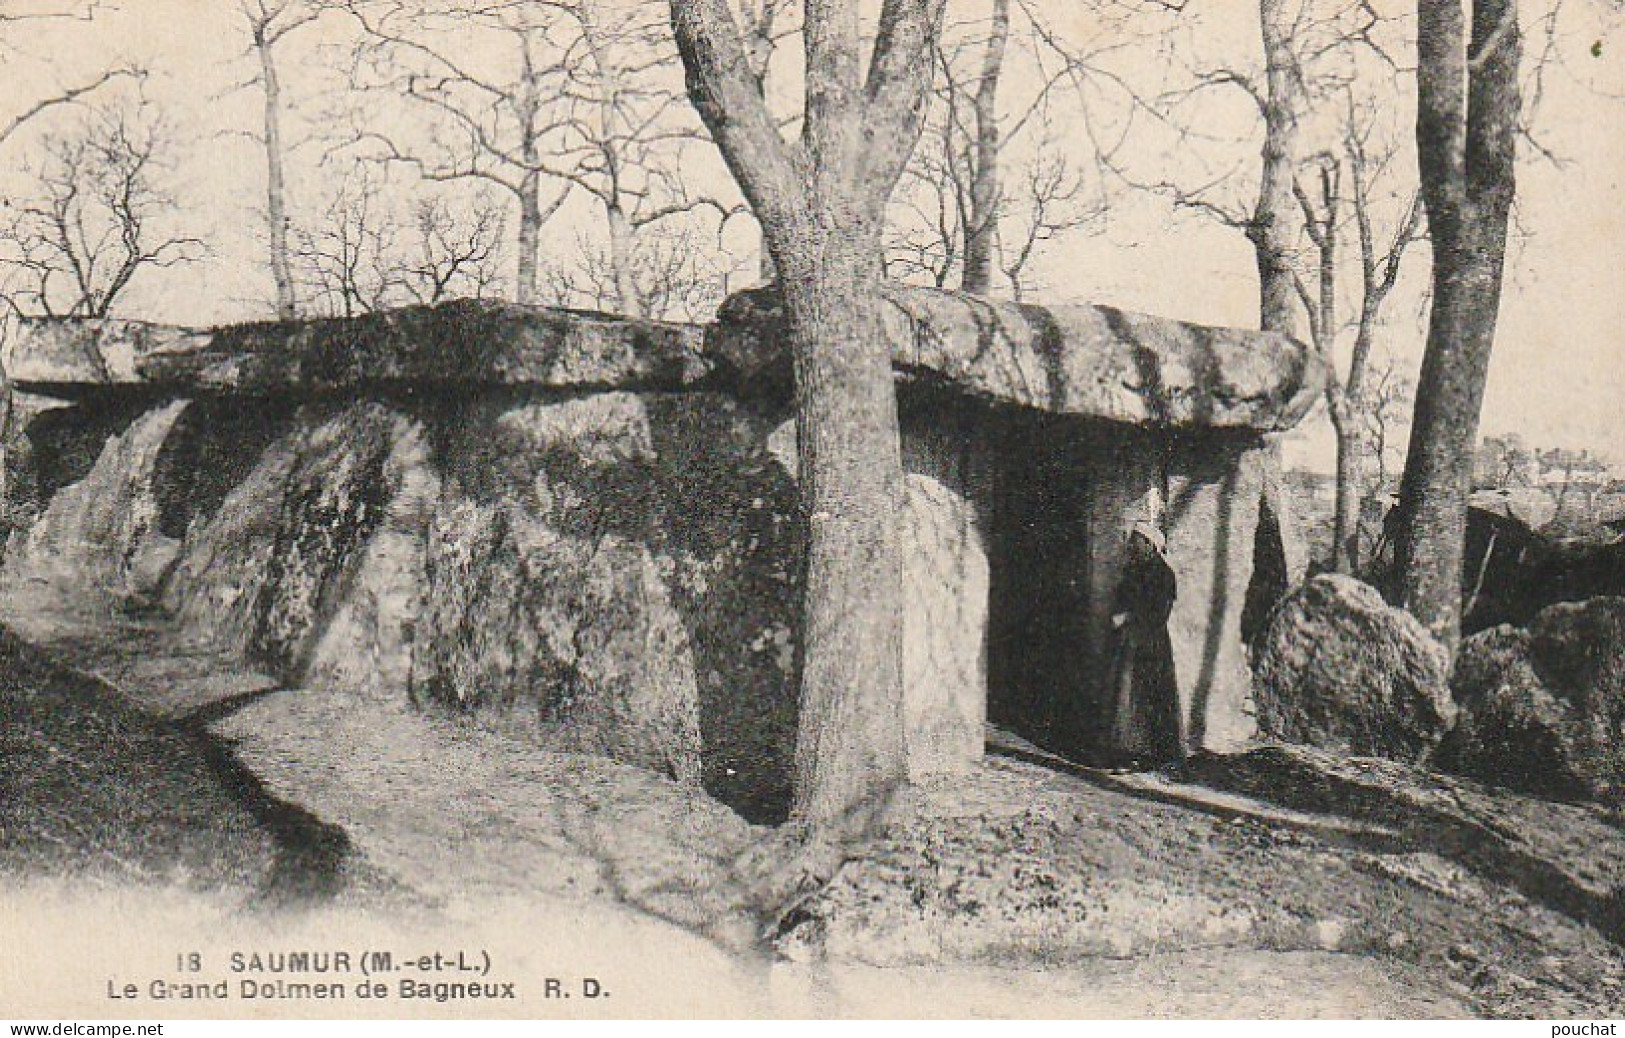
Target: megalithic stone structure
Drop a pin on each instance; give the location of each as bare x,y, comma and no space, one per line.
584,528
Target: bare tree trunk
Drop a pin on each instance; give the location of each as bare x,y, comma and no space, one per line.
1323,229
530,237
982,229
850,748
1342,403
1271,229
1351,436
1346,518
1562,493
821,203
1467,112
530,186
621,243
622,235
759,47
1345,416
276,202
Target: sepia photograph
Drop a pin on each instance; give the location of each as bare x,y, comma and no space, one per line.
803,509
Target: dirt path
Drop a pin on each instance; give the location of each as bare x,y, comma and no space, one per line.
1252,891
1203,984
464,815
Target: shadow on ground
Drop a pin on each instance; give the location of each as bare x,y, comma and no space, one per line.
1563,856
96,786
1279,863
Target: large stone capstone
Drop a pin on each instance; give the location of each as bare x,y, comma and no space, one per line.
461,343
1088,361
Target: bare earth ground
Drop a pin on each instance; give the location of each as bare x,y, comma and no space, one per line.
1277,884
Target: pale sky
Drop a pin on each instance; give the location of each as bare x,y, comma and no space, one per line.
1558,374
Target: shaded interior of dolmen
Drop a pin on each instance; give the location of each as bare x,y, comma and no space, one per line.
59,446
1048,663
1064,492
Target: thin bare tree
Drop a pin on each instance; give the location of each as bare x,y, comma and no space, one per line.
1306,51
14,23
630,140
1389,397
368,251
1271,227
1351,177
446,254
96,216
674,273
32,105
269,22
990,160
344,257
982,227
490,122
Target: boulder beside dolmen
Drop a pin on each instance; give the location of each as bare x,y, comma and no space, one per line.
1341,669
1543,707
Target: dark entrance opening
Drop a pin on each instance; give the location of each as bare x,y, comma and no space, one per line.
1063,490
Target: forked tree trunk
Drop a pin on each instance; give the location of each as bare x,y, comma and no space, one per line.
821,204
1466,126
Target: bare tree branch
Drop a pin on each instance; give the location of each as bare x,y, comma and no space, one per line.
68,96
92,222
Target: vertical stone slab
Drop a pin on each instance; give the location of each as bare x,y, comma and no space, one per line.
92,539
947,466
367,645
546,608
1214,488
331,505
226,557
